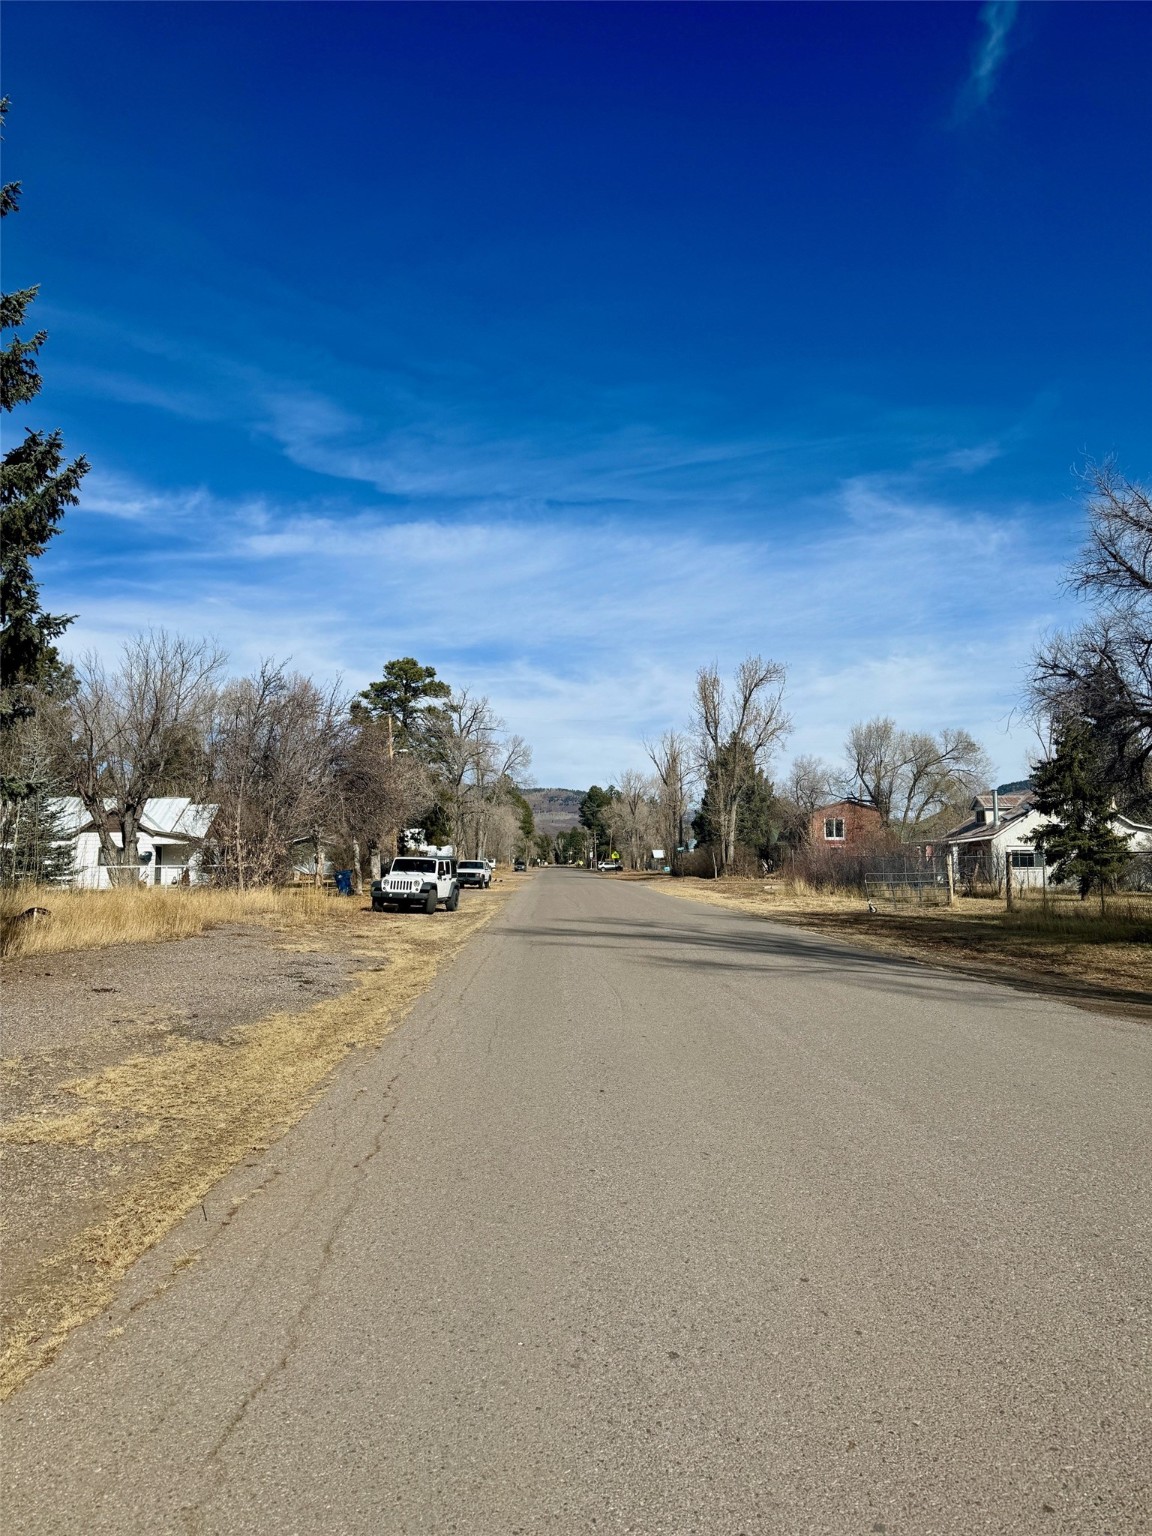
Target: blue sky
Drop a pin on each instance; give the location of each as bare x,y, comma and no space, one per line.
567,348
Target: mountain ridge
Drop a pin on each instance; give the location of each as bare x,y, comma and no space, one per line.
555,810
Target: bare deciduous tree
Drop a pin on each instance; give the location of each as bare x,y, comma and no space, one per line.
123,733
475,762
671,759
911,776
503,833
1118,556
277,739
811,783
378,791
1102,672
635,809
736,730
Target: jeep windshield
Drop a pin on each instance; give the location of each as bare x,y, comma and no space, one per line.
471,864
413,867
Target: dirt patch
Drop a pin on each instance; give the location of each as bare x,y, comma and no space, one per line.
201,987
970,937
123,1107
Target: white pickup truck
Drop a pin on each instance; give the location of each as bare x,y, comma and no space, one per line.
474,872
418,882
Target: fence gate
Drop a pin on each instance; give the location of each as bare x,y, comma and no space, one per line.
909,880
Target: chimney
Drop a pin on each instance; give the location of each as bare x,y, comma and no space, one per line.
995,807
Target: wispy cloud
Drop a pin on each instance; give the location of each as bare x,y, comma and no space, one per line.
997,19
587,637
121,497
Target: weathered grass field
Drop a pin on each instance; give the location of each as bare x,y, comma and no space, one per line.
139,914
136,1143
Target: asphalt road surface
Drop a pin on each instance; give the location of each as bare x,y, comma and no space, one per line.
653,1218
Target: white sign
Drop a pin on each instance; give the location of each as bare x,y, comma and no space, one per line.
657,853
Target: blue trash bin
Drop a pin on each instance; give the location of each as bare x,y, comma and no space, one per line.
344,882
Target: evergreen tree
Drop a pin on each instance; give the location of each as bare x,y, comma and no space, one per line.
592,809
437,825
406,695
36,484
1072,787
572,846
524,814
37,845
758,812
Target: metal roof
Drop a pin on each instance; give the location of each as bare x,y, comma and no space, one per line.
1010,802
174,816
985,831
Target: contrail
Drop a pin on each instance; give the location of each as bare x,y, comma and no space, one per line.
997,19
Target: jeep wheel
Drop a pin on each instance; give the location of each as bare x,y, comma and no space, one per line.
377,906
453,899
431,902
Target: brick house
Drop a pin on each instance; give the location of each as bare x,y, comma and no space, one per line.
849,823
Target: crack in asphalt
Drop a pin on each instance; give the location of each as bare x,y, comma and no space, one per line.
297,1325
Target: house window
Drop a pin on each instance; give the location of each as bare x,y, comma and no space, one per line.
1022,858
834,829
102,859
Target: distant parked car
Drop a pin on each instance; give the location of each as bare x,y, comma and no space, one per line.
608,864
519,864
474,872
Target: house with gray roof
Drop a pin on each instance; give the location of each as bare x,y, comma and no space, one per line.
998,836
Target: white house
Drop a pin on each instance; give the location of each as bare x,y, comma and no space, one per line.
998,836
172,829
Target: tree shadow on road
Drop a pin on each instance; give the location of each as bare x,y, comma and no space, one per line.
749,945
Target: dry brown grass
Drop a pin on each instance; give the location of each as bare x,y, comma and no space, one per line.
140,914
199,1107
1064,945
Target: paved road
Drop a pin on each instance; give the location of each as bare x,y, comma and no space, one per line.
651,1218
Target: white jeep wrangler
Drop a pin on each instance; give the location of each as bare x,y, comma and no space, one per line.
418,881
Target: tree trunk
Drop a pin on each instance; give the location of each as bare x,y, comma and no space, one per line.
357,871
238,850
729,836
94,805
111,853
319,880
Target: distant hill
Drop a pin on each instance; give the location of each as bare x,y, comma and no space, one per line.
555,810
